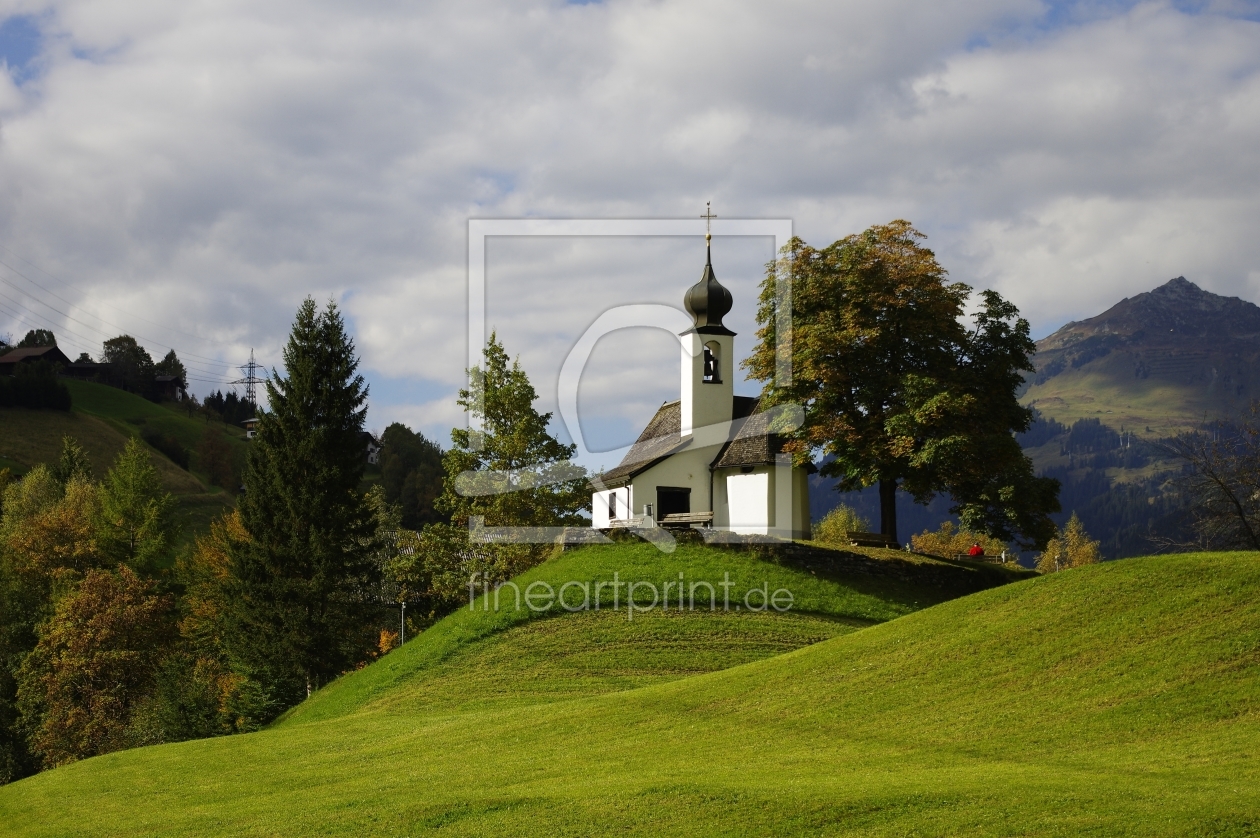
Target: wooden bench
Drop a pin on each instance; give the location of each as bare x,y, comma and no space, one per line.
987,557
872,539
631,523
686,519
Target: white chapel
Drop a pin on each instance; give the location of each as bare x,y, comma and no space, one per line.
709,459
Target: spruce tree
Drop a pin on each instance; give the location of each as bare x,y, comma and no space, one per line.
297,610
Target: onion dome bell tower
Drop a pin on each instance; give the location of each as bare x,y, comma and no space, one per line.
708,301
708,352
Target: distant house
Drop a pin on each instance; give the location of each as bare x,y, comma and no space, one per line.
9,361
373,448
251,427
167,387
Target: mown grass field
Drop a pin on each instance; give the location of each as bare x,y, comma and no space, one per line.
1118,699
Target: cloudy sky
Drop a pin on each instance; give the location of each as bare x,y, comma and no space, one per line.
188,172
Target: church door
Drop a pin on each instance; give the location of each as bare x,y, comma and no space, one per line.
670,500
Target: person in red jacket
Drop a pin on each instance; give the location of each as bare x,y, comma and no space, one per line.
976,551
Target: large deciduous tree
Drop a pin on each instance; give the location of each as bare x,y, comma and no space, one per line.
94,663
1222,483
898,391
130,365
298,612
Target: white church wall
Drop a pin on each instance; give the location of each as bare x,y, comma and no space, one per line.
609,504
686,469
748,498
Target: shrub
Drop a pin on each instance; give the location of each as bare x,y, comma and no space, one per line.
949,541
833,528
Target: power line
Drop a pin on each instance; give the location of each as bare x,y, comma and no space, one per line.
80,290
59,327
88,325
40,322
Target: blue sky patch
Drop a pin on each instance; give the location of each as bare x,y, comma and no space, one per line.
20,42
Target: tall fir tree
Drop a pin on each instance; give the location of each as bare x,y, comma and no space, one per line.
298,614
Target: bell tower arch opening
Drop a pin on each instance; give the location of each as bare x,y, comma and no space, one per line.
712,363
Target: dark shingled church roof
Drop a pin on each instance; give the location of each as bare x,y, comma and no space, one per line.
663,436
753,444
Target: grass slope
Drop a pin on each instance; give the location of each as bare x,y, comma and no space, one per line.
102,418
595,648
1119,699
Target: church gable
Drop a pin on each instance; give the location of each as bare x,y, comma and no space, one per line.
661,437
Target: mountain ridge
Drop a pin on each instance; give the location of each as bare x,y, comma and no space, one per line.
1166,359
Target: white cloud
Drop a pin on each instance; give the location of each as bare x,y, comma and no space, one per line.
194,170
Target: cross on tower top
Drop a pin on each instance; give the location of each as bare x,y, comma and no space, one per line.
708,221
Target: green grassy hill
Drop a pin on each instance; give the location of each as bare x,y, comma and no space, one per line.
101,419
1119,699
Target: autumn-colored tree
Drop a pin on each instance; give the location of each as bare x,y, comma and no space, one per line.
95,661
48,532
135,525
199,693
1072,547
47,542
897,391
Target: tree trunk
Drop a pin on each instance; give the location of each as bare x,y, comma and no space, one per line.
888,508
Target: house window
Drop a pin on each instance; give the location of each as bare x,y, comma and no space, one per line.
612,505
712,364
